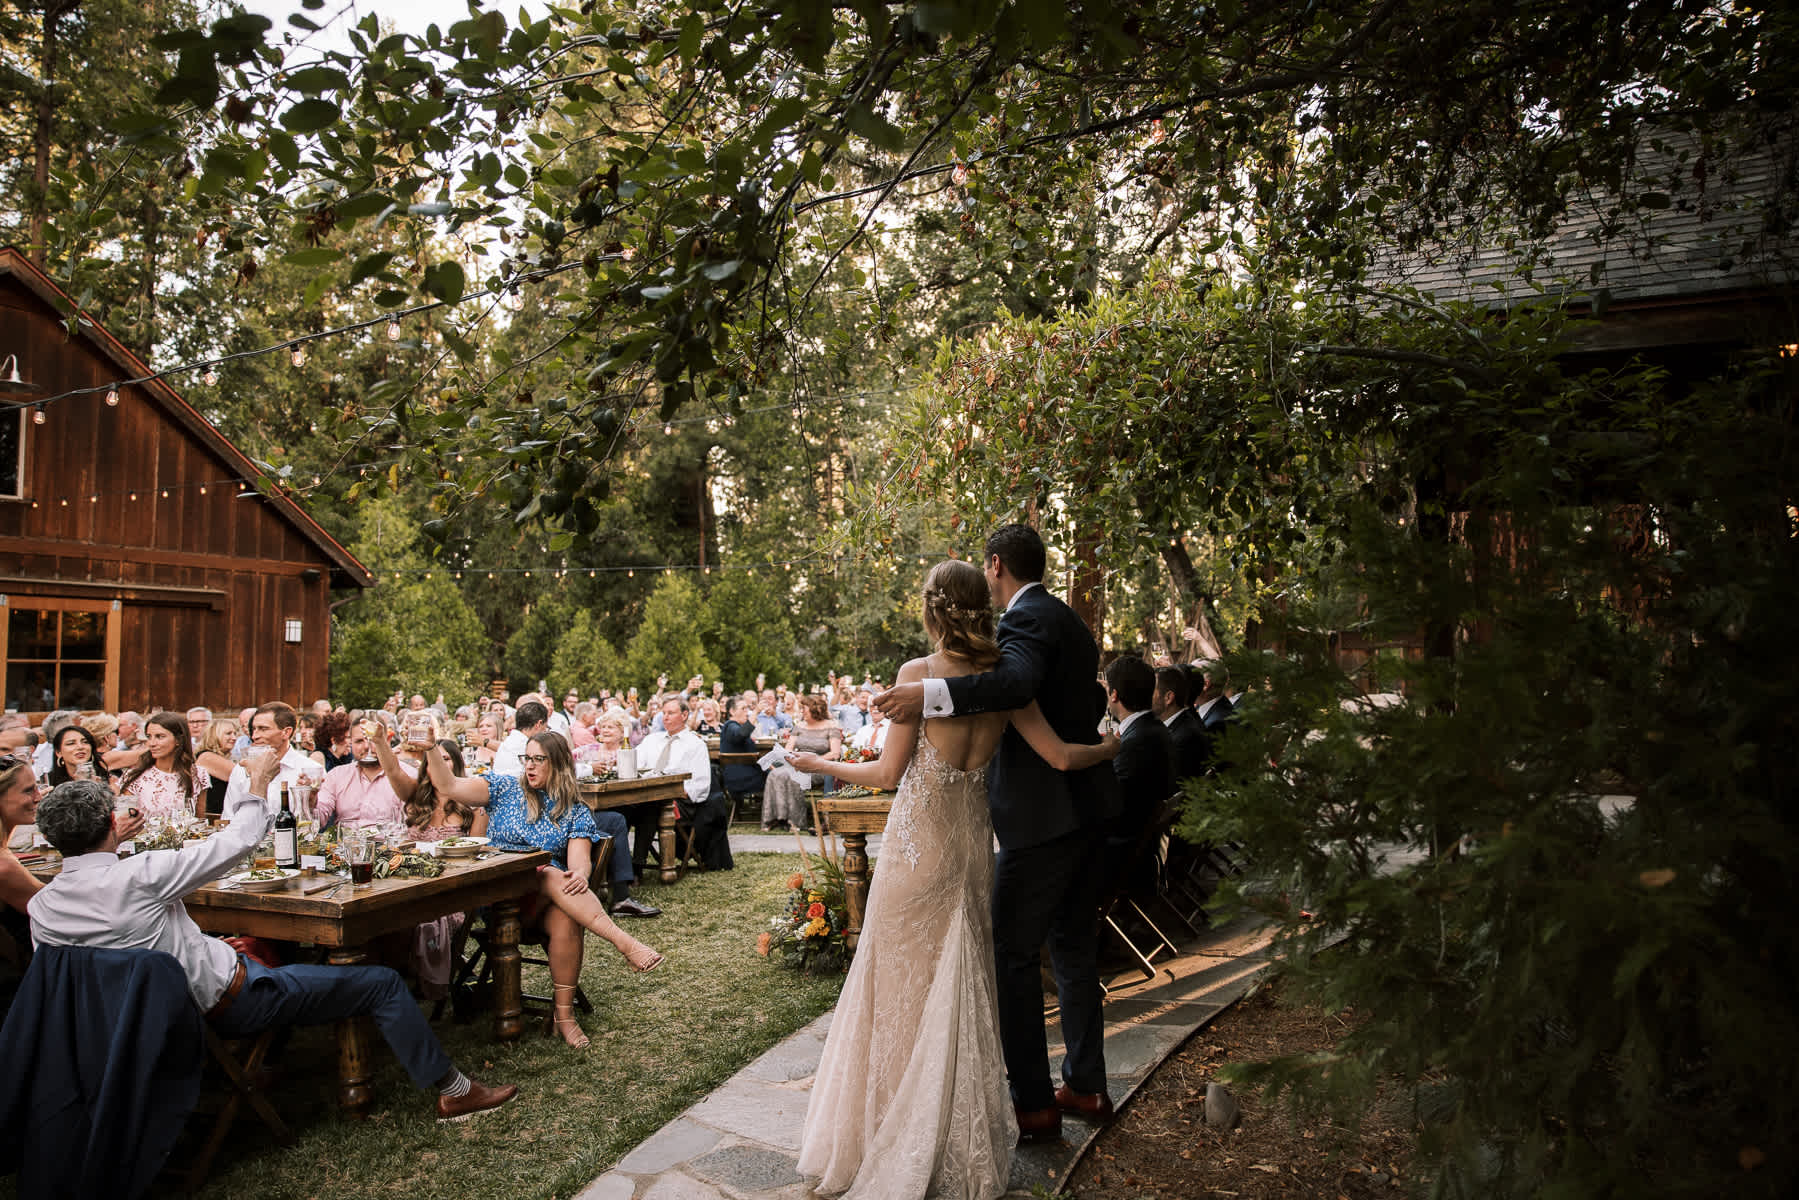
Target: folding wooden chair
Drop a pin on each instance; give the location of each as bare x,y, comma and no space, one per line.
1120,904
242,1086
474,974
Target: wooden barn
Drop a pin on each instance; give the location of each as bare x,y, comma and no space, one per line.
138,568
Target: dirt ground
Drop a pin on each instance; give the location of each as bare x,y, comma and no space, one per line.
1160,1145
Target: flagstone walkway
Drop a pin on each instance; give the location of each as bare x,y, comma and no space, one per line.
742,1141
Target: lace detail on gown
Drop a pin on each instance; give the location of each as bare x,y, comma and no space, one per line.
910,1099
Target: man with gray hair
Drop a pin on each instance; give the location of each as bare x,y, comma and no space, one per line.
101,900
198,718
131,731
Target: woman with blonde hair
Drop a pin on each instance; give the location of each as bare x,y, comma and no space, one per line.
541,809
214,756
910,1098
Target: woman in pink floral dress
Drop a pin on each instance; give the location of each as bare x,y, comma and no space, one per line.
167,782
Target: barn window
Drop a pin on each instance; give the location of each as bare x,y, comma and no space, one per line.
59,653
12,452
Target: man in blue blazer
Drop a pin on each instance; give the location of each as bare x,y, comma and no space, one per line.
1051,829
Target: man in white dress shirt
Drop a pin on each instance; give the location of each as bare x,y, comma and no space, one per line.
272,727
533,718
668,751
135,903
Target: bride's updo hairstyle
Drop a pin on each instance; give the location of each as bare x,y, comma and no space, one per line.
958,613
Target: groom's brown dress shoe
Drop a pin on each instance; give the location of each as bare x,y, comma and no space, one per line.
1094,1106
1039,1125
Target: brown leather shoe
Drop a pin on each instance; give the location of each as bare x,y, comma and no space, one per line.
479,1099
1093,1106
1039,1125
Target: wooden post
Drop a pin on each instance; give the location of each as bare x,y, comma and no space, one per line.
508,981
355,1043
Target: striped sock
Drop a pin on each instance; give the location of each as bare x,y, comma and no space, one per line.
457,1087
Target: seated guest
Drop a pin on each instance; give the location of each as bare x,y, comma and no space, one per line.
331,741
784,792
135,903
363,792
198,719
739,737
484,740
43,759
131,731
75,755
571,700
165,782
18,811
674,750
580,726
609,735
705,717
214,757
1192,744
530,719
848,715
104,729
1145,762
246,718
771,722
542,810
1210,702
431,817
272,727
872,736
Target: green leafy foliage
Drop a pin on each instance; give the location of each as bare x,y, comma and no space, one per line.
667,640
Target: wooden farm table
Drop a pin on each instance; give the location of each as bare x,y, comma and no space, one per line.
346,921
622,793
854,819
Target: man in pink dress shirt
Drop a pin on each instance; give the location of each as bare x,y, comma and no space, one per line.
358,793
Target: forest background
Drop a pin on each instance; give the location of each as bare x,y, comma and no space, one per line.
794,298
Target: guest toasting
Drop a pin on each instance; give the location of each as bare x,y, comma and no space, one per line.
541,809
102,900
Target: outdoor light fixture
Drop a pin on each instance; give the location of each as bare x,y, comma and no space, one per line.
112,397
10,379
291,631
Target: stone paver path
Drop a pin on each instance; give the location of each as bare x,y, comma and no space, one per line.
742,1141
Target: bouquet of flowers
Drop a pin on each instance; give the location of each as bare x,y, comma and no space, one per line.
811,932
856,754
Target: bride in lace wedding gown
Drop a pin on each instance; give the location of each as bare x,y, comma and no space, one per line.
910,1099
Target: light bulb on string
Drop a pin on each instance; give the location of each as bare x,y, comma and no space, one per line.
210,378
630,574
299,356
112,397
37,415
669,429
393,331
165,493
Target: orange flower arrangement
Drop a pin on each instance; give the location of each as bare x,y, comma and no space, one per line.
812,929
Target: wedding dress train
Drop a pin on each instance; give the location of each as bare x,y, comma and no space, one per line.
910,1099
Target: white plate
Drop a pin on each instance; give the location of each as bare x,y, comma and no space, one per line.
464,845
243,882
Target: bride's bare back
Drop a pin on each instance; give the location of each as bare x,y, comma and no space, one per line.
965,743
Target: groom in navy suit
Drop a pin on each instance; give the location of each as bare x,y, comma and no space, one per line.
1051,829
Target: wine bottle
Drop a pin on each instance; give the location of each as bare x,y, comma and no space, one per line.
287,835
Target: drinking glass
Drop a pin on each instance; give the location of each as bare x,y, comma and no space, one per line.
359,849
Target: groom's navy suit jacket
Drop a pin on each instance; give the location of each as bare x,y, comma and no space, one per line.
1046,655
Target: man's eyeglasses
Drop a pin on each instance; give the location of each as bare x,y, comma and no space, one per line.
533,760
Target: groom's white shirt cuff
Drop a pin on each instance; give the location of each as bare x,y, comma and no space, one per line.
936,691
936,699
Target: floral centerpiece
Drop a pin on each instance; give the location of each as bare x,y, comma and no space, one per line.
856,754
811,933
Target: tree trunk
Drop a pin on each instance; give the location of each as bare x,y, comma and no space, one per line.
1087,586
45,130
146,308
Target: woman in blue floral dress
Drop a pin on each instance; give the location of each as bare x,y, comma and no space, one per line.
542,810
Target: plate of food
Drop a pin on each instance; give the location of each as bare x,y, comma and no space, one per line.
263,879
457,847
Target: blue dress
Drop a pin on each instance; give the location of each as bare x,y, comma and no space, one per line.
509,826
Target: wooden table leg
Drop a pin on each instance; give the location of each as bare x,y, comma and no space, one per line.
855,883
665,843
355,1046
508,980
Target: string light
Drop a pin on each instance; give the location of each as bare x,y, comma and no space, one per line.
112,397
669,429
393,331
37,416
210,378
299,357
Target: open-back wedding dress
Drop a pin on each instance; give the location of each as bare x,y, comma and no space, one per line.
910,1099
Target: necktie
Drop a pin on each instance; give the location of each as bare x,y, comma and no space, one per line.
668,743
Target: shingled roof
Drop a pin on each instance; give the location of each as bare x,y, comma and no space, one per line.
1708,226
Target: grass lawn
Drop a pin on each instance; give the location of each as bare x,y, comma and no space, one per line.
660,1042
